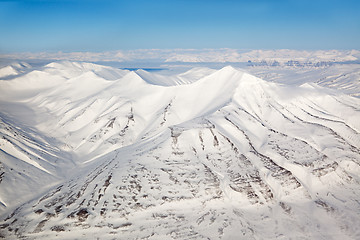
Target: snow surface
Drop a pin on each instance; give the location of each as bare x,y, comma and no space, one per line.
90,151
343,77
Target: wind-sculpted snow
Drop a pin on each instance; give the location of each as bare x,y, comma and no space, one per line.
225,155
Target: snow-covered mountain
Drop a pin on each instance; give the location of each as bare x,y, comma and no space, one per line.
342,77
89,151
219,55
13,69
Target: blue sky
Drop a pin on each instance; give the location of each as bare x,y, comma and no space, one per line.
105,25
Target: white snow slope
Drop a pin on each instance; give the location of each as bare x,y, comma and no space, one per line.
343,77
89,151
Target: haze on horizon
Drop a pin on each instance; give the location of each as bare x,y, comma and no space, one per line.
81,25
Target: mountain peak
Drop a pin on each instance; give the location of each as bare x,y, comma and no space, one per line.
228,68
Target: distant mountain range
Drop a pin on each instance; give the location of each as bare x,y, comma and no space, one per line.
224,55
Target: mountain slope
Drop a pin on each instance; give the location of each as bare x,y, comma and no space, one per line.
228,156
342,77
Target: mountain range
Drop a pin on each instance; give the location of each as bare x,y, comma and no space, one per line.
91,151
